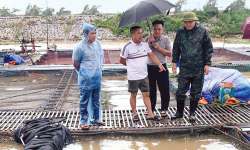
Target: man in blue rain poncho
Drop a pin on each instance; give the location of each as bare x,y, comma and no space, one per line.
87,60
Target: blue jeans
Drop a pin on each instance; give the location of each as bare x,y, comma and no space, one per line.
90,106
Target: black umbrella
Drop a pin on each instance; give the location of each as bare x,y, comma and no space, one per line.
143,10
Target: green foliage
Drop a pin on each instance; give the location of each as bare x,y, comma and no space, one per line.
92,11
204,16
225,17
235,27
170,24
173,25
48,11
172,75
224,63
6,12
33,10
69,22
236,5
220,29
240,15
60,12
112,24
179,6
67,29
145,35
49,21
170,65
105,103
216,102
232,20
211,6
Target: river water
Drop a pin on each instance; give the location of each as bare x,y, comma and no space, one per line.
143,142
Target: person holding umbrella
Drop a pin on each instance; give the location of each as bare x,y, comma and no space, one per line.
135,56
161,48
194,45
142,10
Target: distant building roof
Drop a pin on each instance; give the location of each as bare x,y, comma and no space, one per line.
67,11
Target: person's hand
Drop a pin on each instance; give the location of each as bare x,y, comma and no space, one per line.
174,68
156,46
206,69
151,39
161,67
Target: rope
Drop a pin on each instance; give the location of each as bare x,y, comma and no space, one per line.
246,144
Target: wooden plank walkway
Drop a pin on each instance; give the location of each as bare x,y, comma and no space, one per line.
120,121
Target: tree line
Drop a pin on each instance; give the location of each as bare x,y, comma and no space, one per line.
228,21
34,10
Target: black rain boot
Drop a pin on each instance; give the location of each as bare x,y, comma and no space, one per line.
180,108
193,106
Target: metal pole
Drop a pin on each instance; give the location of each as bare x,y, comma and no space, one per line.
47,22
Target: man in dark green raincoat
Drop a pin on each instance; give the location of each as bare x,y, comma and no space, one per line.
193,44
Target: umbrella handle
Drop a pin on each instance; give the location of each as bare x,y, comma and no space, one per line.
149,27
151,33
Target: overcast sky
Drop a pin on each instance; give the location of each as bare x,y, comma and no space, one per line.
107,6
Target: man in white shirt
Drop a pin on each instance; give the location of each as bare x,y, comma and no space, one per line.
135,56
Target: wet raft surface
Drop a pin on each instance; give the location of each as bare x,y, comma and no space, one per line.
120,121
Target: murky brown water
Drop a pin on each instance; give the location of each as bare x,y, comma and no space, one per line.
143,142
